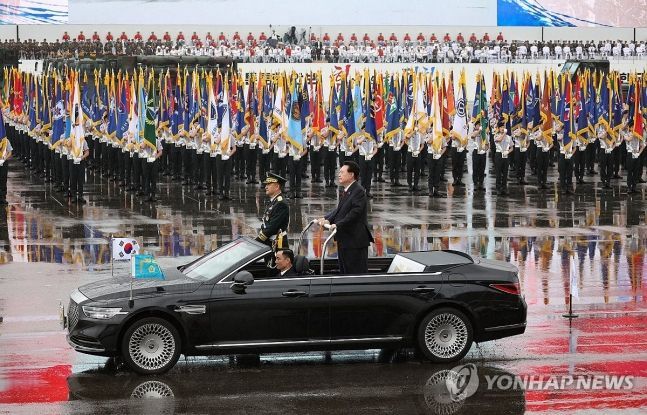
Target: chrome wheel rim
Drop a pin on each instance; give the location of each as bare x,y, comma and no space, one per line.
446,335
151,346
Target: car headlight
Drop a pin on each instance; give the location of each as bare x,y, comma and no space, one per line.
101,313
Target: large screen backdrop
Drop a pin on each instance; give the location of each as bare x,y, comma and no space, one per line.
610,13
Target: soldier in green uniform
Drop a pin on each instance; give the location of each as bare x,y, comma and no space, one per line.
276,218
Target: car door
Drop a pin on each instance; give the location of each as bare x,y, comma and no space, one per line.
379,306
270,311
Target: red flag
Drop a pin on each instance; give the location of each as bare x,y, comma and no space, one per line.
18,95
378,102
319,119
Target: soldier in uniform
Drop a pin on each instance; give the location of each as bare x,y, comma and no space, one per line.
276,217
503,146
479,154
604,155
635,147
415,142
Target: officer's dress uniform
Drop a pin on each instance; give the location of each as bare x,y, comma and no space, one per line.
276,219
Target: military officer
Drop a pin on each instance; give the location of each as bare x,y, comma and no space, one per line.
276,217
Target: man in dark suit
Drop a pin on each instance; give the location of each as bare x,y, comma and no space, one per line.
350,219
284,263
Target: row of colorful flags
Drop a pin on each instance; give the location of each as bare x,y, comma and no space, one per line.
137,107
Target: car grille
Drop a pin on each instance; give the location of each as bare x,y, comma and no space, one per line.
72,315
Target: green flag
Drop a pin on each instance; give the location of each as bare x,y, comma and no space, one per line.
484,113
150,130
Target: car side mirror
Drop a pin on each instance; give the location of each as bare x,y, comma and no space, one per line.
241,280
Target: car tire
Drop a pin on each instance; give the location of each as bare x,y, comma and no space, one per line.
151,346
445,335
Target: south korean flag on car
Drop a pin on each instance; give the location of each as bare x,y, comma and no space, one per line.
124,248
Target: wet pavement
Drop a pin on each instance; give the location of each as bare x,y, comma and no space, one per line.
48,247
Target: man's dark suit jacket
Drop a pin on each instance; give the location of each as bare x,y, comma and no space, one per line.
289,273
351,218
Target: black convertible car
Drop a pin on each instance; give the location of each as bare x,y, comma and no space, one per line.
229,301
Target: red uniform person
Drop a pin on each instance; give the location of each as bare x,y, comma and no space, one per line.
380,38
250,38
340,38
421,37
473,37
179,37
486,37
152,37
407,38
460,38
138,36
447,38
123,36
353,38
209,37
262,37
313,38
166,37
95,37
326,38
433,37
195,37
236,37
499,37
66,37
393,38
80,37
366,38
109,37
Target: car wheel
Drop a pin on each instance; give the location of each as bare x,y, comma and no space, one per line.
445,335
151,346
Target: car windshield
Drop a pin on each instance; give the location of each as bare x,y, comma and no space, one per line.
222,260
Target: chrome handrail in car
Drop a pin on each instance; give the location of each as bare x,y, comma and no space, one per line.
303,233
325,248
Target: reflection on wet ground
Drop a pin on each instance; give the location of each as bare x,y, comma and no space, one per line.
48,247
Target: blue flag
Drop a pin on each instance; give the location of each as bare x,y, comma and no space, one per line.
145,267
295,132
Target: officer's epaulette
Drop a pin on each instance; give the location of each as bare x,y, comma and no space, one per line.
279,199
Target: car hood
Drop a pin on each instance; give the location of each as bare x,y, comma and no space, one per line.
119,287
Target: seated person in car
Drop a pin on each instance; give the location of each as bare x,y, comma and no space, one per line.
284,263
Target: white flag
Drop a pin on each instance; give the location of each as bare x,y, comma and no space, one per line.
124,248
575,291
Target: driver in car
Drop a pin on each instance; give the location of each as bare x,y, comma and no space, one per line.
284,263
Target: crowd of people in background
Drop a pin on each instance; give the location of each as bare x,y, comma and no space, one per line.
326,48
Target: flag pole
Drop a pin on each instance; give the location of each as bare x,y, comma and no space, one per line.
112,259
131,303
